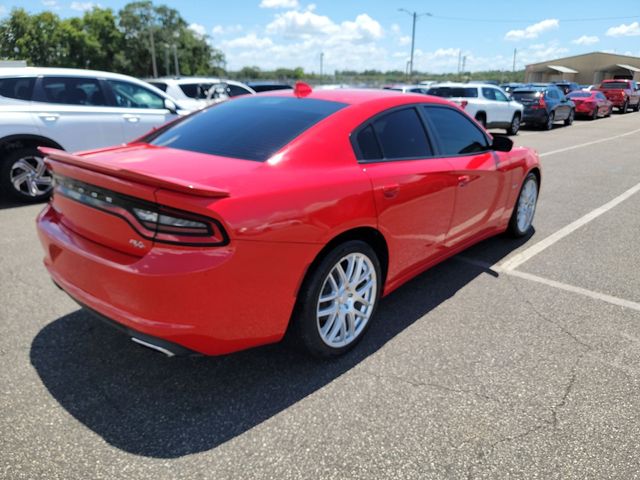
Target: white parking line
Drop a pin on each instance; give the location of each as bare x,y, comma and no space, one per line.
518,259
594,142
621,302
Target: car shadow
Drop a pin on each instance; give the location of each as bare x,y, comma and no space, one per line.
146,404
7,204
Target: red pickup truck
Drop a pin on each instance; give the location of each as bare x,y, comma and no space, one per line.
624,94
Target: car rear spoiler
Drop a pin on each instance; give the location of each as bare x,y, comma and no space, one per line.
167,183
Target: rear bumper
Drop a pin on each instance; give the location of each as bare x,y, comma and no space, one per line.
536,117
209,300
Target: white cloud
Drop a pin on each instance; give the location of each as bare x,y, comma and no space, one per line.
307,25
198,29
586,40
395,29
250,41
533,31
631,30
3,10
52,4
279,4
220,30
406,40
83,6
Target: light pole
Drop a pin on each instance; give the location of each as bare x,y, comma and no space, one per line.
415,16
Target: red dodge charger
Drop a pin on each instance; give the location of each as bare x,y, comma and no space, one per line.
287,211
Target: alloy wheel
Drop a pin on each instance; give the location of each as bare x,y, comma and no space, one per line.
527,204
30,177
347,300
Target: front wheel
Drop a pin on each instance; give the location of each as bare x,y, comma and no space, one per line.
571,117
525,207
337,300
515,125
624,107
24,177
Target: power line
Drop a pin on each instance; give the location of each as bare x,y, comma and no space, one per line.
520,20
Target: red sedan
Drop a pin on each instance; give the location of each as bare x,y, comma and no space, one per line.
291,210
592,104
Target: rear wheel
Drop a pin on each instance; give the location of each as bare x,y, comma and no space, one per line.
525,207
24,176
571,117
624,107
594,115
637,106
550,119
337,300
515,125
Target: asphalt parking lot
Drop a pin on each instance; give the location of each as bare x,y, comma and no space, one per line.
515,359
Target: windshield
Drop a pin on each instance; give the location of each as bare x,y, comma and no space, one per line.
579,95
250,128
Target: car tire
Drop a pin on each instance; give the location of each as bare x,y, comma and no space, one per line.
339,330
481,118
525,208
609,112
594,115
24,177
570,118
515,125
637,107
624,107
550,119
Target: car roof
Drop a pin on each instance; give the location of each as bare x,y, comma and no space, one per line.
357,96
76,72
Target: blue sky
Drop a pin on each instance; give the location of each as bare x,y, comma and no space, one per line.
375,35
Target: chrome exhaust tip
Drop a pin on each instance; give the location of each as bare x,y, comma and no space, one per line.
157,348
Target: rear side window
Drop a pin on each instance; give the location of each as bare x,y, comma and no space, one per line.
368,144
73,91
615,85
454,92
160,85
402,135
195,90
236,90
19,88
250,128
456,133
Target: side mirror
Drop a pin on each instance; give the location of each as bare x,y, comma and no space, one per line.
502,144
170,105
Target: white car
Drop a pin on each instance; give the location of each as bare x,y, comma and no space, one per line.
71,110
408,88
193,91
489,105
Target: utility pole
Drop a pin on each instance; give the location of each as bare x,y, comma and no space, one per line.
415,16
175,59
321,60
153,53
515,52
459,60
464,63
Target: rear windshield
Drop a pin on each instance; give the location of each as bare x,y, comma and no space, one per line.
579,94
452,92
526,94
610,85
251,128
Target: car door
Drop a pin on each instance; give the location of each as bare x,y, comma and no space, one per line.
74,112
480,184
560,107
414,191
496,111
140,108
506,108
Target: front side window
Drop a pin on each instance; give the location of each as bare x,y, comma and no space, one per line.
501,97
402,135
130,95
250,128
20,88
73,91
457,134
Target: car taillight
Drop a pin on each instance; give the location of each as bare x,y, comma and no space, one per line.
541,103
176,226
151,221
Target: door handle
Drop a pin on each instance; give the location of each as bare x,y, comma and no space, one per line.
49,117
463,180
391,191
131,118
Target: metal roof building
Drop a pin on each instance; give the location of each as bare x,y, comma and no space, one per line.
588,68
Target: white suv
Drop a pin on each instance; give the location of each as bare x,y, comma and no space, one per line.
488,104
194,91
70,110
